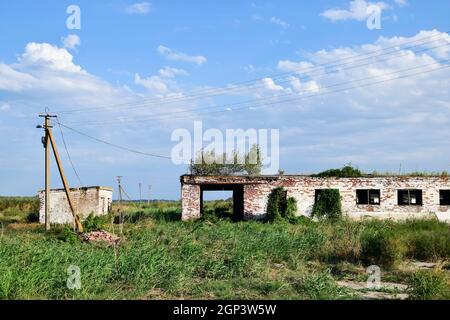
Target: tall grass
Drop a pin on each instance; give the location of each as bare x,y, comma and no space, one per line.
19,209
162,257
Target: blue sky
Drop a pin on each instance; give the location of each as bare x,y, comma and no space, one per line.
127,52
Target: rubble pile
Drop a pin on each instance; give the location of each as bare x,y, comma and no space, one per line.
100,236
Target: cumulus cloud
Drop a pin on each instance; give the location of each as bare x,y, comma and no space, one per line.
46,71
357,10
48,56
71,41
154,83
163,83
174,55
139,8
377,127
270,84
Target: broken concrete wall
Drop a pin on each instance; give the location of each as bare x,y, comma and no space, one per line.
95,200
302,188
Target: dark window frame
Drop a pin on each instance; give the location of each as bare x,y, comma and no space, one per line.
418,195
444,197
368,198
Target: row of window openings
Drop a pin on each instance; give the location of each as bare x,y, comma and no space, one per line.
404,197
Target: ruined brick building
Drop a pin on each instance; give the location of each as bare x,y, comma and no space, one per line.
87,200
396,197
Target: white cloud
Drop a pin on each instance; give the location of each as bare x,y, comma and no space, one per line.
357,10
139,8
169,72
174,55
48,56
163,83
401,3
377,127
299,67
71,41
308,87
48,72
5,106
279,22
154,83
271,85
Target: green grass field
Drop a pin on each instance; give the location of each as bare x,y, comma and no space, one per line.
161,257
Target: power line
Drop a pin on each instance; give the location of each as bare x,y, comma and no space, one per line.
322,75
289,100
68,154
119,146
231,86
171,115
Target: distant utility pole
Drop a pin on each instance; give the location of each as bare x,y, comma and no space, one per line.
119,182
49,141
119,178
140,193
149,192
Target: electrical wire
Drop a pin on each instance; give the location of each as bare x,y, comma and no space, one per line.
231,87
266,104
68,154
121,147
172,115
322,75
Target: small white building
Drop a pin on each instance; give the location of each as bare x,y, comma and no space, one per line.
87,200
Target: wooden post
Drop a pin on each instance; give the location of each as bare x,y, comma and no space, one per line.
47,173
78,225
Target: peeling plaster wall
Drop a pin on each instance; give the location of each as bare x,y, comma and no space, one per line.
302,188
191,201
96,200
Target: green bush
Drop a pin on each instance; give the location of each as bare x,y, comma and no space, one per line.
279,207
429,285
92,223
32,217
346,172
381,246
328,205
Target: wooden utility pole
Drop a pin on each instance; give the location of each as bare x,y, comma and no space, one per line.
48,140
119,188
119,178
149,193
140,193
47,127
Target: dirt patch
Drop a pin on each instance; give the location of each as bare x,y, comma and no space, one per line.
386,290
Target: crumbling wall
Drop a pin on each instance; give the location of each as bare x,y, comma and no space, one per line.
191,203
302,188
95,200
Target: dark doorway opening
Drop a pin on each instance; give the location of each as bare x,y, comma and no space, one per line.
237,200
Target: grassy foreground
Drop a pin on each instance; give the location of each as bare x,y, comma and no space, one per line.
161,257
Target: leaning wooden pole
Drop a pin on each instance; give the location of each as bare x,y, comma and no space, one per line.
78,225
